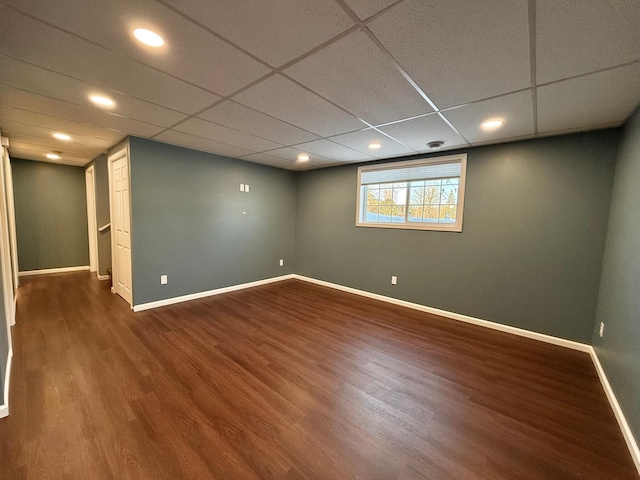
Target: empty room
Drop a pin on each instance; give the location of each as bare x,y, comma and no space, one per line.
320,239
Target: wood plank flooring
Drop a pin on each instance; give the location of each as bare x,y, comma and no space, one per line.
291,381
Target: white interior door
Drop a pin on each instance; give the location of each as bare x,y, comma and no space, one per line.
121,224
91,218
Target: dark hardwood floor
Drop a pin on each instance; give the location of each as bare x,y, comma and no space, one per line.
291,381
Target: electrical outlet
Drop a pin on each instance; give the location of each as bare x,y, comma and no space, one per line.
281,262
394,280
246,188
163,280
242,187
601,329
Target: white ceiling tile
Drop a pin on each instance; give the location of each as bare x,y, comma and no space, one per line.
367,8
515,109
459,51
23,76
10,97
291,154
190,52
202,144
28,151
573,38
332,151
245,119
9,128
416,133
272,160
50,48
283,99
218,133
15,115
360,141
594,100
355,74
56,145
276,32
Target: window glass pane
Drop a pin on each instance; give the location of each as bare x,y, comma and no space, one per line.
431,214
372,213
415,213
451,181
432,195
399,213
400,195
447,214
373,195
449,195
416,197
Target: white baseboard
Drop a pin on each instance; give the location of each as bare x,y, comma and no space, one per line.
48,271
613,401
4,408
583,347
209,293
103,277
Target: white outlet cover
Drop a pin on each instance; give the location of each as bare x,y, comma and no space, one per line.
163,279
394,280
281,262
246,188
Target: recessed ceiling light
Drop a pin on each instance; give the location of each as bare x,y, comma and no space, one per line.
62,136
375,145
303,157
492,124
53,156
102,101
148,37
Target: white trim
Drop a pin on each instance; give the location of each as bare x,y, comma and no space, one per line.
47,271
4,408
92,222
583,347
622,421
209,293
103,277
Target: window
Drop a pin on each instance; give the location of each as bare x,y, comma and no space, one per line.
425,194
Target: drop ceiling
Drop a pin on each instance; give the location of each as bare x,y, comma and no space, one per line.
264,81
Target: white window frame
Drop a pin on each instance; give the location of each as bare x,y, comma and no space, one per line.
441,227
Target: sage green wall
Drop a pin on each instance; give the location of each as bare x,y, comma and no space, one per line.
530,252
51,215
619,301
101,175
187,221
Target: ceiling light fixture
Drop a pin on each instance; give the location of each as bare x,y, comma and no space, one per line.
375,145
53,156
62,136
303,157
148,37
492,124
102,101
435,144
